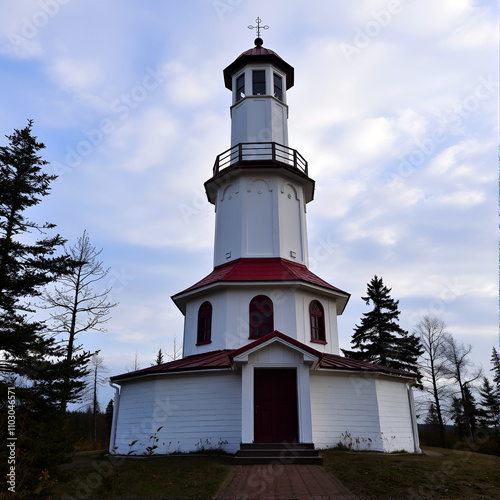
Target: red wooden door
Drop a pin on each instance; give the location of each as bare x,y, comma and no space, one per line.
275,405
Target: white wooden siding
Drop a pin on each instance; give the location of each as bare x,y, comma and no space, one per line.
395,417
370,413
195,410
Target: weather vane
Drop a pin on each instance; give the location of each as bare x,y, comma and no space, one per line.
258,27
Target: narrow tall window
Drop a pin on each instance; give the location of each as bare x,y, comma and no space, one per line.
317,316
261,316
240,87
278,87
204,324
259,82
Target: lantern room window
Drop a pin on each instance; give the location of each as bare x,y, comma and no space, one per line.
240,87
317,316
261,316
259,82
278,87
204,324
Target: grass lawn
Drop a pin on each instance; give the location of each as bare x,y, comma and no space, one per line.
454,475
92,475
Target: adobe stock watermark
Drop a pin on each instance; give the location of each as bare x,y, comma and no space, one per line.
451,119
11,439
223,7
364,36
449,293
121,108
117,282
30,27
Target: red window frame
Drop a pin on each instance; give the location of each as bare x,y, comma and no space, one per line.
204,324
261,316
317,318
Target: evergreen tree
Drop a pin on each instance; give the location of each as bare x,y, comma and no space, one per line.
109,415
495,361
31,356
490,404
379,339
159,359
25,267
432,416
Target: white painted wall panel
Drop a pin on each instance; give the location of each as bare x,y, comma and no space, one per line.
340,406
195,410
395,417
372,413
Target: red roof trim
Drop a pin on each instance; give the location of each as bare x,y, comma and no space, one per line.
220,360
213,360
262,269
270,336
336,362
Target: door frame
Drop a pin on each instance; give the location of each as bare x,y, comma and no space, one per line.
295,404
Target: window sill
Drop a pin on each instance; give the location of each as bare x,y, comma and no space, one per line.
317,341
205,342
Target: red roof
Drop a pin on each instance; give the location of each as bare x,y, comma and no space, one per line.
336,362
217,360
270,336
258,55
271,269
213,360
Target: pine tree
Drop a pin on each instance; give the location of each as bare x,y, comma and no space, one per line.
379,339
159,359
432,416
495,361
490,404
25,268
31,356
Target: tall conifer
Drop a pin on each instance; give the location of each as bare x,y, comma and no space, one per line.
379,339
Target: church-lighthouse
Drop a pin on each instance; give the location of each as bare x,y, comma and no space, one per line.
261,364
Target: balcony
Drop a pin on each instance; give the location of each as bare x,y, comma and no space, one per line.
259,153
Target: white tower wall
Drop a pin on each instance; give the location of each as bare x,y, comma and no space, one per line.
230,316
261,118
260,215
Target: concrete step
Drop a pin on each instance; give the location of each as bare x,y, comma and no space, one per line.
279,453
278,460
277,446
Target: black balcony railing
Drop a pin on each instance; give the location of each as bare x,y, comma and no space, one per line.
260,152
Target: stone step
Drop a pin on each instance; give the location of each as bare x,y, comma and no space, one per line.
278,460
277,446
279,453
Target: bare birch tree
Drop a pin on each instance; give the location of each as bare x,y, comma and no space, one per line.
433,336
461,370
77,307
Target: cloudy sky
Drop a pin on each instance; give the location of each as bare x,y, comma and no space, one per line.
394,107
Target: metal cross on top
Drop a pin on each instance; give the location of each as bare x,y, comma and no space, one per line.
258,27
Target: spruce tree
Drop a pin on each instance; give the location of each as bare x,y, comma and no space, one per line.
31,356
490,404
379,339
25,267
495,361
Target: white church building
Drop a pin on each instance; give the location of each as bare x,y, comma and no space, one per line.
260,367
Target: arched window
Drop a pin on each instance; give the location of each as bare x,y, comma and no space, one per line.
204,324
317,316
261,316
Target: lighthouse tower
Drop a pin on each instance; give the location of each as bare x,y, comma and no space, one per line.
260,188
260,368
